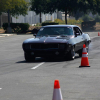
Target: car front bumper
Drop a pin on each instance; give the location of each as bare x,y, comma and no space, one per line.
51,50
44,53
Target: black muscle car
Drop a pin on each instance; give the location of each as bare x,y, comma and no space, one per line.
56,41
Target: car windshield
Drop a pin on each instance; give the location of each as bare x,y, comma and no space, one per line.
55,31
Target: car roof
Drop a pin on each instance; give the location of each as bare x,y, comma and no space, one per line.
61,26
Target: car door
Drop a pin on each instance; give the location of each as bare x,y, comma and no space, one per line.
79,39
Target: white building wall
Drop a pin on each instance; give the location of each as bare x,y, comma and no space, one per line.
32,18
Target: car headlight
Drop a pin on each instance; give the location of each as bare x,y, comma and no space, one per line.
61,46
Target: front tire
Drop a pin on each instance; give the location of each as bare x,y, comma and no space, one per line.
72,53
80,52
29,57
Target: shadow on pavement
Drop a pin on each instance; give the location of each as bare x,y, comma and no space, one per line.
39,60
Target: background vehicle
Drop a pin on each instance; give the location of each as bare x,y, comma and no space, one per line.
56,41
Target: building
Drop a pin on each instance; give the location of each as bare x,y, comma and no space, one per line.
4,19
32,18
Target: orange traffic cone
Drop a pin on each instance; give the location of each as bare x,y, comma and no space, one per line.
84,59
57,91
98,34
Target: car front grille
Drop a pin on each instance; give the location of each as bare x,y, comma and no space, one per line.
44,46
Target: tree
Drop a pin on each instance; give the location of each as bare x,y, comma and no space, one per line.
49,6
78,14
39,6
43,6
70,6
67,6
16,7
13,7
89,6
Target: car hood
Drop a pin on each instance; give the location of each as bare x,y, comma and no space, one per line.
44,39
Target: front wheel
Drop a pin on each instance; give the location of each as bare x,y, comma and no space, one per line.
72,54
80,52
29,57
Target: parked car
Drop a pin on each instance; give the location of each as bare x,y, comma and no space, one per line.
56,41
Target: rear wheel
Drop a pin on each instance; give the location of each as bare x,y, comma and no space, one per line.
87,49
29,57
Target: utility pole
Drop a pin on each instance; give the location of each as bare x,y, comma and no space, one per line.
1,20
40,18
9,30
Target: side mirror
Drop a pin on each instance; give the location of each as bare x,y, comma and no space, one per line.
34,31
34,35
76,34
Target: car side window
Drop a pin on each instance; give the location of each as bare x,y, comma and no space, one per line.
80,31
77,31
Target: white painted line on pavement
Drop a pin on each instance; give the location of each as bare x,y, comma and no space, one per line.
38,65
0,88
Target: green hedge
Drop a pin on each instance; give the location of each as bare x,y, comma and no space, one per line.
86,18
97,18
88,25
17,27
49,23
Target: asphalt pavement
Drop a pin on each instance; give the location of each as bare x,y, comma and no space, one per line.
20,80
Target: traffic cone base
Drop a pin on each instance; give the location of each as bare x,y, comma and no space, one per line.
85,62
98,34
84,59
83,66
57,95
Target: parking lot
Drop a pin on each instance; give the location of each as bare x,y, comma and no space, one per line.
20,80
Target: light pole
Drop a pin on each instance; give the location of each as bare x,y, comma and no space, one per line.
1,21
40,18
9,30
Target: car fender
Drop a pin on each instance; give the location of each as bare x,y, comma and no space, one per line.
86,36
74,41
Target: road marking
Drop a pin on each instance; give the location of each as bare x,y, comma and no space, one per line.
0,88
38,65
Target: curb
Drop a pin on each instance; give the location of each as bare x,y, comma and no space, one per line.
10,34
5,35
